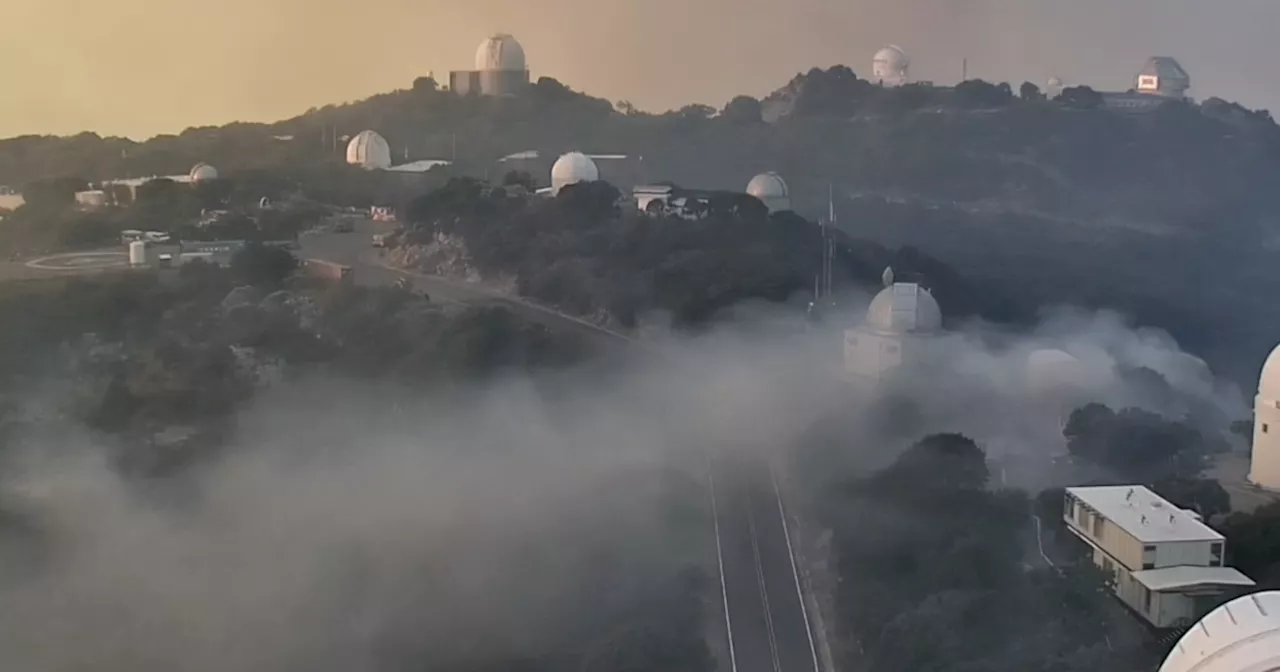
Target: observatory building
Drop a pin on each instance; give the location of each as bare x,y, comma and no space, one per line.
1165,563
1160,81
1053,88
500,69
1264,465
572,168
202,172
772,190
889,66
1242,635
902,323
1163,76
370,151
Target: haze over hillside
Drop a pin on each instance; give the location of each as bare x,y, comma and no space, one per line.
138,68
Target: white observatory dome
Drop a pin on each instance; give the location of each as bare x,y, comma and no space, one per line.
500,52
203,171
1269,380
573,168
1053,369
369,151
1242,635
890,65
772,190
904,307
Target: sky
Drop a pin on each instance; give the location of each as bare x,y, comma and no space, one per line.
142,67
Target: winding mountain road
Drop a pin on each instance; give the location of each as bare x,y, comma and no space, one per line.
766,623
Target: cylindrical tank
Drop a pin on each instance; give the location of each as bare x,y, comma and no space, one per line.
138,253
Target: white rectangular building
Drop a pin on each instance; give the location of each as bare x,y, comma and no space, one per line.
1167,564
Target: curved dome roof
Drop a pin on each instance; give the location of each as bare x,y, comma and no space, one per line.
1242,635
1055,82
573,168
369,151
768,185
892,57
1269,380
771,189
203,171
1053,369
904,307
500,52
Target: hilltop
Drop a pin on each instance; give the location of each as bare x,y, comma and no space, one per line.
1057,200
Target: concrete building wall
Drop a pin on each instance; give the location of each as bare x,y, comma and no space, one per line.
1197,553
1264,469
1105,535
489,82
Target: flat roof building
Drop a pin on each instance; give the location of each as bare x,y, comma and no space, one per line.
1166,563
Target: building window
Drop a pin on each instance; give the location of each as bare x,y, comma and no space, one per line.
1097,526
1265,428
1146,599
891,349
1082,517
1148,565
1109,567
1069,507
1149,556
1215,554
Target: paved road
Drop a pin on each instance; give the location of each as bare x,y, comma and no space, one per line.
769,630
766,621
356,250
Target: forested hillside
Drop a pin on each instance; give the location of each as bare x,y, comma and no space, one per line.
1166,215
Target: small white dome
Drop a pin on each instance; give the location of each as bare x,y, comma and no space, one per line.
890,65
772,190
500,52
573,168
1055,83
1269,381
1242,635
369,151
1052,369
904,307
203,171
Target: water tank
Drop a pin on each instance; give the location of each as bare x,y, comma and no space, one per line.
138,253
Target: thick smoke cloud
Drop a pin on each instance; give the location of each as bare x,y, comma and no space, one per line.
352,527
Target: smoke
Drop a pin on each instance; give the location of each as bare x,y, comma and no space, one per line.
350,527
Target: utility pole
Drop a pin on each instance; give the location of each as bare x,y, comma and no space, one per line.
964,70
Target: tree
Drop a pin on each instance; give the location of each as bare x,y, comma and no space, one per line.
1081,97
944,461
1136,444
53,193
743,110
1029,91
258,264
1202,495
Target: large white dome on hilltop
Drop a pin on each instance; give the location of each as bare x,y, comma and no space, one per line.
772,190
890,65
1269,380
1242,635
369,151
203,171
573,168
500,52
904,307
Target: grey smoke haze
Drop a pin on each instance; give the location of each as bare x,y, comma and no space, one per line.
130,67
350,524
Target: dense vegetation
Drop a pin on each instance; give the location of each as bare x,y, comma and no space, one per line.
947,575
584,253
1056,201
158,369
